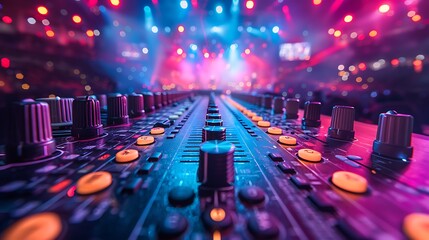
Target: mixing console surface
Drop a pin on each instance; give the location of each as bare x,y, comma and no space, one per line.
213,167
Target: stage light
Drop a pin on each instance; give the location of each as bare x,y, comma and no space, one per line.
416,18
250,4
262,29
167,29
317,2
145,50
6,19
50,33
206,55
96,32
115,2
90,33
337,33
384,8
5,62
276,29
411,13
77,19
353,35
154,29
373,33
247,51
31,20
184,4
181,28
219,9
179,51
348,18
45,22
42,10
331,31
234,46
193,47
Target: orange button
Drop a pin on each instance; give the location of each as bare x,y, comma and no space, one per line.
275,130
217,214
93,182
257,118
264,124
145,140
349,181
127,155
309,155
157,131
45,225
250,114
416,226
287,140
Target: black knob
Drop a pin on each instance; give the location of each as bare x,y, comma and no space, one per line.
216,164
311,114
213,116
292,107
149,102
135,105
277,105
267,101
394,135
158,100
212,110
164,99
214,133
29,132
214,122
117,110
60,110
102,98
86,118
342,122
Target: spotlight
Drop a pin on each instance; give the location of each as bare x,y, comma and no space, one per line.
154,29
250,4
219,9
276,29
184,4
384,8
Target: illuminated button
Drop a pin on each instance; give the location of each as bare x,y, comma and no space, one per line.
251,114
264,124
287,140
93,182
217,214
275,130
127,155
145,140
257,118
416,226
350,182
157,130
173,117
45,225
309,155
217,219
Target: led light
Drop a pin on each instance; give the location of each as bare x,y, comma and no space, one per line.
184,4
384,8
276,29
250,4
77,19
219,9
348,18
42,10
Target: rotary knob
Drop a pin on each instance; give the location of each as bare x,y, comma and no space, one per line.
216,164
117,110
60,110
158,100
267,101
312,114
29,132
86,118
135,105
214,133
149,102
292,107
277,105
394,135
342,123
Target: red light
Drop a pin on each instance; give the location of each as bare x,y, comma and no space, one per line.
42,10
77,19
250,4
90,33
317,2
348,18
6,19
362,66
50,33
5,62
194,3
115,2
71,191
181,28
394,62
384,8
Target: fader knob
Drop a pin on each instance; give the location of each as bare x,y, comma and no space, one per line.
277,105
214,133
267,101
292,107
212,110
213,116
216,164
394,135
117,110
30,134
149,102
60,110
214,122
342,121
311,114
135,105
86,118
158,100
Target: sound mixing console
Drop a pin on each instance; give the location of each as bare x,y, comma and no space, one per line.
185,166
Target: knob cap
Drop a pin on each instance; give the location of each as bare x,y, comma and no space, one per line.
149,102
213,116
29,132
135,105
394,135
267,101
86,118
60,110
212,110
216,164
312,114
117,110
277,105
292,107
158,100
214,133
214,122
342,123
